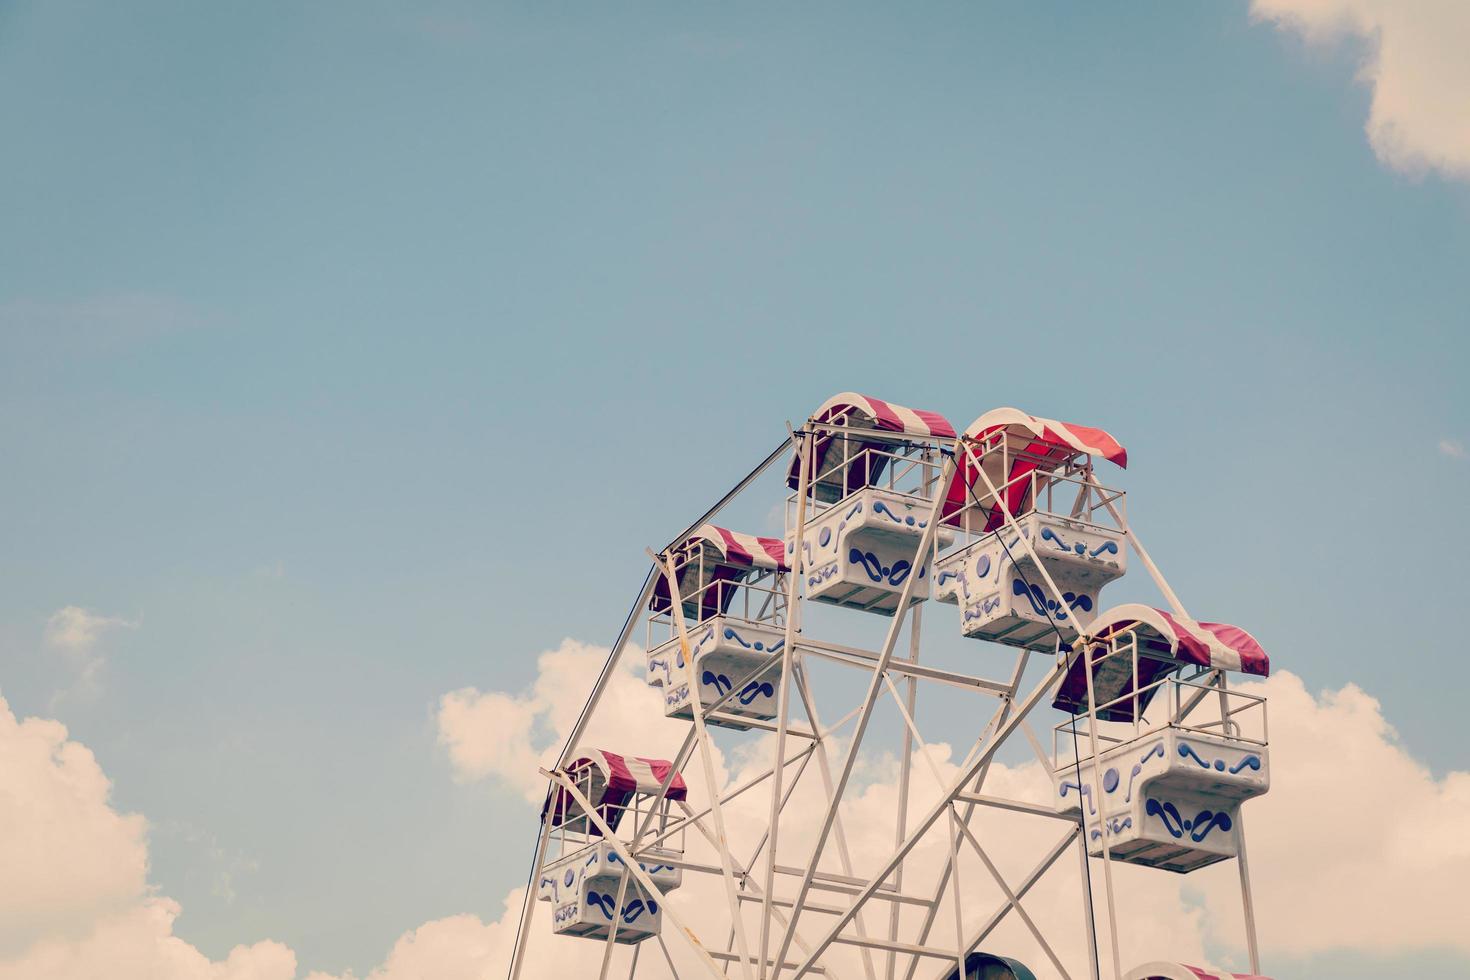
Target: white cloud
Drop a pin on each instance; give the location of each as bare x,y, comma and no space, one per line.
77,630
1416,64
138,944
504,736
1453,448
66,856
76,904
1350,812
462,947
1357,848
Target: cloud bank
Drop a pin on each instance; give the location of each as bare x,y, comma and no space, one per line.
1331,873
1316,850
76,903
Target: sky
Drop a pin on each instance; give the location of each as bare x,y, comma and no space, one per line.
352,353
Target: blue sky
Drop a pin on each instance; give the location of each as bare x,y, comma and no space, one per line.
332,336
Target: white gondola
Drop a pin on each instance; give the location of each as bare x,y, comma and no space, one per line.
874,473
587,882
733,608
1164,793
1040,471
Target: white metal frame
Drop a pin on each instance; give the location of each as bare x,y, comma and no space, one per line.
804,910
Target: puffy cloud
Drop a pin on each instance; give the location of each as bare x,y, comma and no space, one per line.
1357,846
1419,118
1315,844
66,857
492,735
138,944
1351,813
504,736
462,947
1453,448
76,903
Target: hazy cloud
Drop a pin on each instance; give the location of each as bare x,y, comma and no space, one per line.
74,633
77,630
94,324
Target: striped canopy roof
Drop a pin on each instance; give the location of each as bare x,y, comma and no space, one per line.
724,556
742,549
1218,645
1036,444
1160,635
1160,970
614,781
1082,438
872,415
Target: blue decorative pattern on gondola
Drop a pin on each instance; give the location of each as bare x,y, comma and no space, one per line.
1157,749
1197,828
822,574
879,507
755,689
1187,751
613,857
877,571
981,609
1082,789
1115,826
758,645
1043,605
1047,534
606,903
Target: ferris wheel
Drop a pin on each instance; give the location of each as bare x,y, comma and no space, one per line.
754,650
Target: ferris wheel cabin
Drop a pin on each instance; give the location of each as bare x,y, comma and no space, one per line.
871,482
732,607
1164,785
584,877
1027,505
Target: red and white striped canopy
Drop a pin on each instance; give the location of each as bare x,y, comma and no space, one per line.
1082,438
742,549
724,556
1218,645
1035,444
1160,635
1159,970
861,412
614,780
